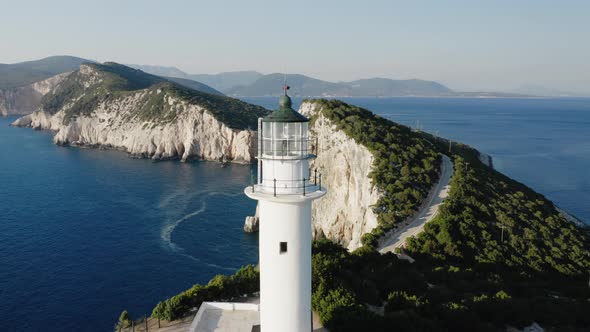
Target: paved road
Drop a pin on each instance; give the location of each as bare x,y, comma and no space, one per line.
437,195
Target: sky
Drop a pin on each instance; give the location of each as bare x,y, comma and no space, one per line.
467,45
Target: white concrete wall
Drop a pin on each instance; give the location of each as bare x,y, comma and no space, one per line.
285,279
288,173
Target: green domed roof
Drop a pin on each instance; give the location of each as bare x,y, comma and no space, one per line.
285,113
285,102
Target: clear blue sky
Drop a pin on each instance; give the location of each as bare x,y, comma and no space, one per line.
468,45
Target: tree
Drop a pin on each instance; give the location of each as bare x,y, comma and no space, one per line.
124,321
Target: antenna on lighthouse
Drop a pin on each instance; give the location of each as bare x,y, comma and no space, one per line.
285,86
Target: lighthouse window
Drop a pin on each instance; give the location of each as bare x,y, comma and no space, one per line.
283,247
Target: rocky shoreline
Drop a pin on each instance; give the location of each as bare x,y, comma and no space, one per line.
195,134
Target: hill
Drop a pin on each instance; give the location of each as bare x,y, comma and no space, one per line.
161,70
222,82
25,73
18,96
301,85
381,87
115,106
304,86
198,86
228,80
466,276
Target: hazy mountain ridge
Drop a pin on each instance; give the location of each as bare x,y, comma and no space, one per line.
227,80
160,70
194,85
305,86
28,72
222,82
254,84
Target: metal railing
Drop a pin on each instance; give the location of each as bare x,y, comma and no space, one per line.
289,187
146,323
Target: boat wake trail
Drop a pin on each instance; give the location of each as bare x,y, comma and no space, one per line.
170,226
166,233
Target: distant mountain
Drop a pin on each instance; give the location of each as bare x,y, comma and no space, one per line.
25,73
304,86
388,87
222,82
226,81
161,71
270,85
194,85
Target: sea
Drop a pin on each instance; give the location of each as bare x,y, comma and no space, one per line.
87,233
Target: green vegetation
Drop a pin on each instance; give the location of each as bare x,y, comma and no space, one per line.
406,165
124,321
466,278
245,281
349,289
468,227
80,94
233,112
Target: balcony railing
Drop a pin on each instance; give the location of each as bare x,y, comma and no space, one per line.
289,187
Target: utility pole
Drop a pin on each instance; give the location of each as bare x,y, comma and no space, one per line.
502,226
450,142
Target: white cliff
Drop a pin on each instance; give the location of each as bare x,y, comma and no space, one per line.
345,213
486,159
193,132
26,99
252,223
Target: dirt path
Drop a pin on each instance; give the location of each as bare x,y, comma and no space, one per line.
415,225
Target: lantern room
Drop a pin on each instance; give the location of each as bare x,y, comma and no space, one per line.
284,152
285,133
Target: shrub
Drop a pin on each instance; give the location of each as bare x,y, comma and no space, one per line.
245,281
124,321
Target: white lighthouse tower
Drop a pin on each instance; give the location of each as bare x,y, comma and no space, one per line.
285,190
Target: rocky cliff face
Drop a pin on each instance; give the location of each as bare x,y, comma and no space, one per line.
26,99
153,122
345,213
195,134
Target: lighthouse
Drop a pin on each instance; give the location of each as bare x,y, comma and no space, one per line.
284,190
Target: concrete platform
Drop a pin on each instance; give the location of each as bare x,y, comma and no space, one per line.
226,317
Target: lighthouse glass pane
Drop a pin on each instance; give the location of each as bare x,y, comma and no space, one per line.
267,146
284,139
267,129
279,131
304,130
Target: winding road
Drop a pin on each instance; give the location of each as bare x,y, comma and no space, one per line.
428,211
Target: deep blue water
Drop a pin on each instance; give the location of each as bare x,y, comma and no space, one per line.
544,143
85,234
